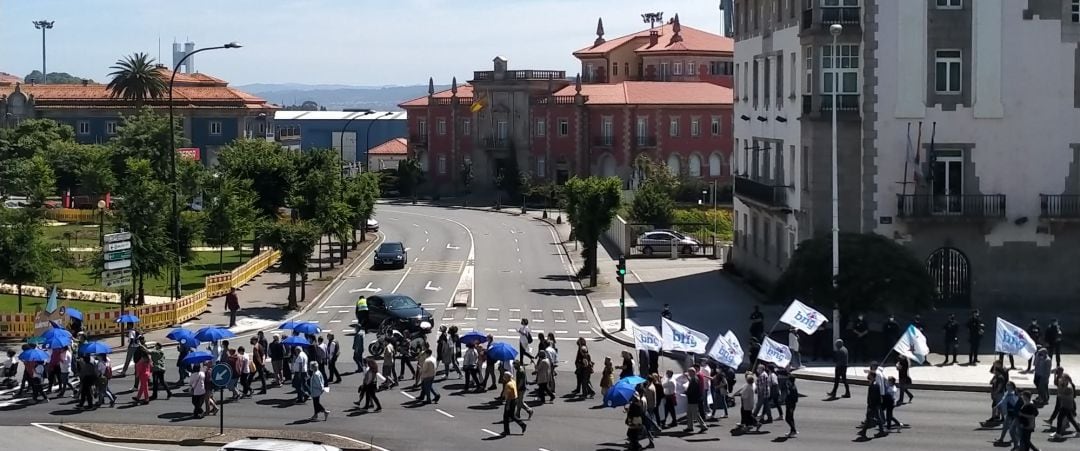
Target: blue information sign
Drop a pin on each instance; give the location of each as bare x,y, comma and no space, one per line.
221,375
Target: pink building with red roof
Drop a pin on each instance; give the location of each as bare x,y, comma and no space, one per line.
664,92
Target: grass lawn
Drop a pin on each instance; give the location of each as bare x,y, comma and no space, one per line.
10,303
192,276
81,235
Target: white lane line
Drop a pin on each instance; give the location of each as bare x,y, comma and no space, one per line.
344,311
535,310
432,304
422,248
321,312
444,413
84,440
490,329
519,249
584,332
542,449
345,331
561,332
407,271
416,225
335,321
426,232
492,309
490,432
427,240
314,321
557,311
560,321
407,395
338,306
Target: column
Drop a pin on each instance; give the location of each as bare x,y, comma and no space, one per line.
986,36
911,59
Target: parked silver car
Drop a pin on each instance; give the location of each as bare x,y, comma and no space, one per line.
659,242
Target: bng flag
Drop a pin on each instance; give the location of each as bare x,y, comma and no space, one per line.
802,317
1013,340
647,338
912,345
774,352
726,352
678,337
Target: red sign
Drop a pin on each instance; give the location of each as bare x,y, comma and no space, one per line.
189,152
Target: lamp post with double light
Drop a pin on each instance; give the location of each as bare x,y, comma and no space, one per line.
43,25
835,30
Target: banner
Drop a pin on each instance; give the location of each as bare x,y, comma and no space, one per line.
726,352
678,337
912,345
1013,340
647,338
802,317
774,352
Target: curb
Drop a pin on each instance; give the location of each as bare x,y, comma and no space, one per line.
927,386
209,441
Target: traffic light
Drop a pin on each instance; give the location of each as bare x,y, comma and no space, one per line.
620,270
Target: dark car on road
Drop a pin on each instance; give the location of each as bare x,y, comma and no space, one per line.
391,254
401,311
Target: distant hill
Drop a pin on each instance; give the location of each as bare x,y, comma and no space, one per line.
339,97
55,78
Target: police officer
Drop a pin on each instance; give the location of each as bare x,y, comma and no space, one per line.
361,314
891,330
975,328
757,324
952,339
666,313
1053,340
917,322
1035,332
861,330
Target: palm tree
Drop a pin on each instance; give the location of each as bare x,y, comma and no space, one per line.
137,78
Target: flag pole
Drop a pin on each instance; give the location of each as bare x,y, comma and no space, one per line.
907,159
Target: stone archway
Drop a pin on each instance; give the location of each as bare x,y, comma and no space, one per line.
950,271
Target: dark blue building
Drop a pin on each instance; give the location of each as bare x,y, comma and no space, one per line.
323,130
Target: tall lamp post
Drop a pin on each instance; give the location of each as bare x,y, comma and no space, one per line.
341,146
43,25
172,146
367,141
835,30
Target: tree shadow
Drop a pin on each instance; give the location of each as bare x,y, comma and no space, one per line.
66,412
278,403
175,417
559,278
560,291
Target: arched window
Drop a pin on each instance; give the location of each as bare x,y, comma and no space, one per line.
673,164
716,163
607,165
694,165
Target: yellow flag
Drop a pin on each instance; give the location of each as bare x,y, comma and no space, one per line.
477,105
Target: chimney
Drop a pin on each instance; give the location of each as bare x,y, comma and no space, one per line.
654,37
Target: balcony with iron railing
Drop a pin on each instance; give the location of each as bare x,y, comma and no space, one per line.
773,196
642,142
824,16
419,140
966,207
1059,207
849,104
603,140
496,143
489,75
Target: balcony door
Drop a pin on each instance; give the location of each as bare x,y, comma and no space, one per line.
948,182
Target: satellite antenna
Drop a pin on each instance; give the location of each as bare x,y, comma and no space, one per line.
653,18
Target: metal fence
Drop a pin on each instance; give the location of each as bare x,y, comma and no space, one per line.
701,234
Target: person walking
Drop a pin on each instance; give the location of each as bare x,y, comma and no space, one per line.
157,359
276,350
764,396
104,369
525,340
198,392
791,400
470,362
545,379
333,352
748,399
840,359
521,379
246,369
626,369
903,369
720,389
358,348
258,358
361,314
1028,413
489,366
653,392
448,355
1058,374
88,377
583,371
1042,375
952,340
510,401
607,377
208,386
317,387
757,324
888,401
1009,406
64,372
793,345
1053,341
232,305
299,371
388,368
182,350
370,387
405,360
975,328
861,330
428,369
873,407
694,394
143,369
1066,406
132,335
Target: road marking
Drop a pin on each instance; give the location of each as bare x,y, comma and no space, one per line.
408,249
490,329
407,395
344,311
321,312
432,304
470,314
403,276
542,449
337,306
346,330
367,288
314,321
465,282
452,247
431,288
490,432
416,225
426,232
335,321
422,248
515,314
448,315
584,332
444,413
519,249
561,332
84,440
427,240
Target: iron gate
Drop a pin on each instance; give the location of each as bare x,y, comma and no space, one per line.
950,271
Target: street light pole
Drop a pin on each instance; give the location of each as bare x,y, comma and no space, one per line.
367,141
43,25
341,147
172,147
835,30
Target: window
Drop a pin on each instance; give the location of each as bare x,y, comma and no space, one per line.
947,71
677,70
442,164
745,223
440,126
768,81
754,232
791,9
778,246
715,126
589,72
767,245
83,127
564,127
804,166
694,165
808,69
110,127
715,165
794,66
607,130
626,69
695,127
754,93
738,79
663,71
541,167
789,171
541,127
790,245
779,11
847,70
421,128
735,161
502,130
642,130
950,4
947,171
779,79
614,68
215,127
691,69
843,3
466,127
1075,11
673,129
673,164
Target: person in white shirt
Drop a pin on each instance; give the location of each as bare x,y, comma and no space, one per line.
65,372
198,392
299,372
793,345
748,395
669,400
104,369
470,362
524,341
428,368
243,361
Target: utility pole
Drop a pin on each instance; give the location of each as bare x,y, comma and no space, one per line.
43,25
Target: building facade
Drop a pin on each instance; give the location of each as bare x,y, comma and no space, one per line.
349,132
211,113
551,128
954,138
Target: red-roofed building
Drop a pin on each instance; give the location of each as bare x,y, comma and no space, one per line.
388,154
553,129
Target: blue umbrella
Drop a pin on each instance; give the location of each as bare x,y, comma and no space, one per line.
501,352
307,328
623,390
36,340
213,334
54,332
295,341
197,357
288,325
95,347
34,355
73,313
190,342
178,334
127,318
472,337
57,341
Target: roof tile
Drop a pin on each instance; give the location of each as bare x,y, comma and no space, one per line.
653,93
396,146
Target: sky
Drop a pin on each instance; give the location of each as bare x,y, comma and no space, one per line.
350,42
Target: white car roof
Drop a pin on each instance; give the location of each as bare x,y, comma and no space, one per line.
275,445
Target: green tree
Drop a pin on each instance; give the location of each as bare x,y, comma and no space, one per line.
145,135
876,273
95,172
657,174
145,214
33,136
230,214
26,257
652,205
295,241
410,177
55,78
317,195
361,192
270,168
591,206
32,177
137,78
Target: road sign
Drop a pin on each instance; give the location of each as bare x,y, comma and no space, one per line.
221,375
118,255
121,282
117,246
116,274
116,237
118,264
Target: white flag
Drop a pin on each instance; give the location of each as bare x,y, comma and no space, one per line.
774,352
726,352
1013,340
802,317
731,338
646,338
912,344
678,337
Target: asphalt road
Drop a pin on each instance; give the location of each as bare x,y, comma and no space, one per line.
46,437
518,271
